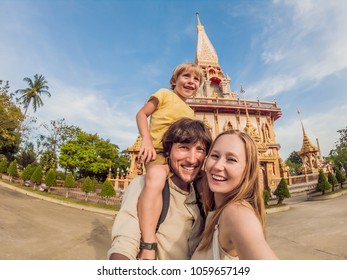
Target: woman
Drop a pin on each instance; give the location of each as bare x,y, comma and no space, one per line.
233,199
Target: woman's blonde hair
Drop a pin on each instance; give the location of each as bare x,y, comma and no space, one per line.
186,67
249,189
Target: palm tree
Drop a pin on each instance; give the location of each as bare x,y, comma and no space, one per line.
32,94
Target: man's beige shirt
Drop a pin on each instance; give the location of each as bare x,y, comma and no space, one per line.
179,234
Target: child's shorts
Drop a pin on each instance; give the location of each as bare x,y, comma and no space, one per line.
159,160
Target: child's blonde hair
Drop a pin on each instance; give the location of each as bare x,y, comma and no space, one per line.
183,68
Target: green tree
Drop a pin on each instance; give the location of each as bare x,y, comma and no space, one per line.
339,154
48,160
341,178
294,157
12,170
332,180
107,190
26,155
51,178
323,184
11,118
32,94
57,134
294,163
36,178
3,166
282,191
294,168
27,172
87,186
89,155
266,196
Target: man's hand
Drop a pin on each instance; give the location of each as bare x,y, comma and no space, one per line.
146,255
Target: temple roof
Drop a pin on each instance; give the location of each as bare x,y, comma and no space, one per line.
136,146
307,146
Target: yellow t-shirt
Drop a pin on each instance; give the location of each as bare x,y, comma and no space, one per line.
170,109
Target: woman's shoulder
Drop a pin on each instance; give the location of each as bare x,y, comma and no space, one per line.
237,211
241,206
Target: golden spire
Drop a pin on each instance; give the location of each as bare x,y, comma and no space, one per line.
206,54
197,16
307,146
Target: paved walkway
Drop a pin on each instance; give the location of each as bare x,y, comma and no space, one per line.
32,228
310,230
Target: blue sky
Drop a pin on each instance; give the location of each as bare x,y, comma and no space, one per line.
102,59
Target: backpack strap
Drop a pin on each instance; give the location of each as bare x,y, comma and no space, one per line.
166,203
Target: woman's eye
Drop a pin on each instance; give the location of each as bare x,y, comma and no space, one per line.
214,156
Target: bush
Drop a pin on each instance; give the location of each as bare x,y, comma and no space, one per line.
94,185
107,190
51,178
3,166
282,191
332,180
36,178
87,186
69,181
12,169
27,172
340,177
323,184
266,196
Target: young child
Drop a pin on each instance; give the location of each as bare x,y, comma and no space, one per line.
164,107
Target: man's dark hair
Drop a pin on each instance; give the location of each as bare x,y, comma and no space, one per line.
187,131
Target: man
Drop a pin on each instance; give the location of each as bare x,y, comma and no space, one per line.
185,144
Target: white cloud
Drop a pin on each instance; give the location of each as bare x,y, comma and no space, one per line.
92,111
271,86
306,46
274,57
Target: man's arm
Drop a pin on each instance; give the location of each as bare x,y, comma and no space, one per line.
126,232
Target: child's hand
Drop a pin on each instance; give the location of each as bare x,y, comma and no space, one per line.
147,151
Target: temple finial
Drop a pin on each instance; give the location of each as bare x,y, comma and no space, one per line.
197,16
302,125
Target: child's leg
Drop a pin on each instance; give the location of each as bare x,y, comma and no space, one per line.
150,205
